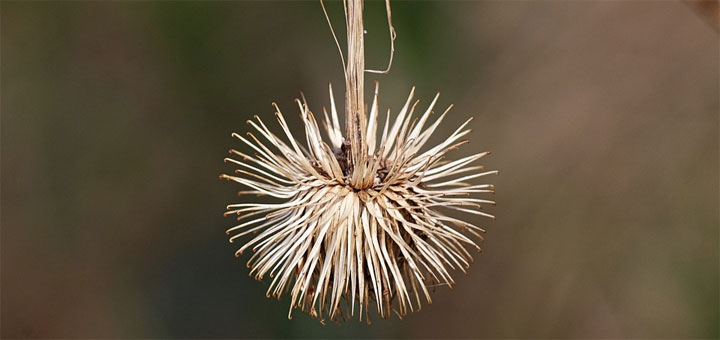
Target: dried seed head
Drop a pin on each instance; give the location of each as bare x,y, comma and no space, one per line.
359,230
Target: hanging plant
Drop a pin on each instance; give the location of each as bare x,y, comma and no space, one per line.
363,217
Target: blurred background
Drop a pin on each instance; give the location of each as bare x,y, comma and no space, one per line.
602,117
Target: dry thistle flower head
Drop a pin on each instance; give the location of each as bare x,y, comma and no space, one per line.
357,223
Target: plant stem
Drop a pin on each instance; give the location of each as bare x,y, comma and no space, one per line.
355,118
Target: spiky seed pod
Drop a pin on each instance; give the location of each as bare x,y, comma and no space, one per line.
372,232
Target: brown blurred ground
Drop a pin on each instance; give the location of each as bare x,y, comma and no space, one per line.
602,118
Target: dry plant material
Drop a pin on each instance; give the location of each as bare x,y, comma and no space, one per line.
359,221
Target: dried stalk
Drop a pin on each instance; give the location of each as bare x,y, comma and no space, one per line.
355,118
